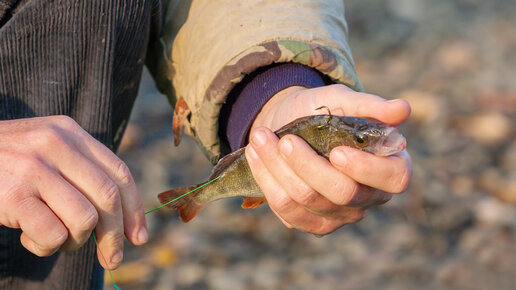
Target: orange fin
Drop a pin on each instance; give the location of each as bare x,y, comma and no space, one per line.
253,202
181,111
186,205
226,161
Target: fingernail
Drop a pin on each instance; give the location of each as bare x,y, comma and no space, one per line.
252,153
339,157
286,147
259,138
117,257
143,235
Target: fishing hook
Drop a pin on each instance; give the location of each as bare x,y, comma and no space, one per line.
329,116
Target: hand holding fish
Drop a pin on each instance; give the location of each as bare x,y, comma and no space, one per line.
305,190
307,184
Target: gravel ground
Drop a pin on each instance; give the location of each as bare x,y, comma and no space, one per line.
454,228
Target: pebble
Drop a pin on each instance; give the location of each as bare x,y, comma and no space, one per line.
490,128
163,256
189,274
129,272
228,278
494,212
426,107
462,185
457,56
498,185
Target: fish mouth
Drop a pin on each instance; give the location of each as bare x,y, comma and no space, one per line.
393,142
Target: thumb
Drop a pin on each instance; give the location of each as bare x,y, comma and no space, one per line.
343,101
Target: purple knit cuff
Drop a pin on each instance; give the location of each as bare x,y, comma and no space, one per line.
258,90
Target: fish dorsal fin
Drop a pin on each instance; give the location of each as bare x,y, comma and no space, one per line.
224,163
292,127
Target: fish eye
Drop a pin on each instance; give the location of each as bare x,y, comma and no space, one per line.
361,139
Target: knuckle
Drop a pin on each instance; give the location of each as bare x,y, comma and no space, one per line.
54,242
88,221
41,251
384,197
284,204
308,198
123,174
329,226
29,164
323,227
358,215
110,195
338,88
353,215
59,238
115,238
344,194
50,136
24,202
303,195
65,121
17,193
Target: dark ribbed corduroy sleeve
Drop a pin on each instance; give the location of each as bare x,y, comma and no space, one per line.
78,58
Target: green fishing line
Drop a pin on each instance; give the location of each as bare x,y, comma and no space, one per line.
95,239
197,188
105,262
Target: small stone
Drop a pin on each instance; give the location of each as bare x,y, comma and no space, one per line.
494,212
426,107
462,185
401,236
190,274
163,256
225,279
455,56
502,187
501,101
489,128
446,275
130,272
268,274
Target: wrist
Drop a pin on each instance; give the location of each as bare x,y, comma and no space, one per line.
268,112
248,98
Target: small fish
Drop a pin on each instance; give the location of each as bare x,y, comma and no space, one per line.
322,132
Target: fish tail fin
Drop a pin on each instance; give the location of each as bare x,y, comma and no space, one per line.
186,205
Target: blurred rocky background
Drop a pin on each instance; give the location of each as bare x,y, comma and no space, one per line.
455,227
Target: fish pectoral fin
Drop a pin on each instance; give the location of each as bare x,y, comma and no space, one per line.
253,202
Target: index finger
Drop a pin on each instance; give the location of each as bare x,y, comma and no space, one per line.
389,173
135,227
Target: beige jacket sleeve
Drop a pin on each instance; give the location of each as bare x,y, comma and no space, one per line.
222,40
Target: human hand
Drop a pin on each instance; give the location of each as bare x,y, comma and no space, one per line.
58,184
305,190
